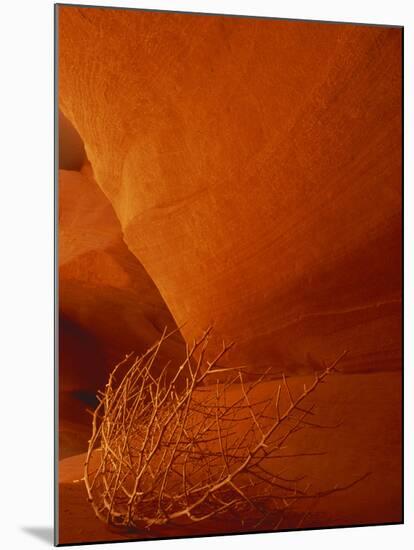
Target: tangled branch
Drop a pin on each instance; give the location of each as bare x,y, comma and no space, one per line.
184,448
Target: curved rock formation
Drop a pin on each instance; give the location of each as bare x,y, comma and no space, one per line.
71,150
108,305
255,168
103,289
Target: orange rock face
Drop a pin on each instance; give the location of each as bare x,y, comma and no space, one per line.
242,173
108,305
71,150
103,289
255,169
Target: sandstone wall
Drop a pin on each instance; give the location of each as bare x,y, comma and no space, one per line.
255,169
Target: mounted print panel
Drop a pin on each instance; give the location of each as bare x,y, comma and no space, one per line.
229,235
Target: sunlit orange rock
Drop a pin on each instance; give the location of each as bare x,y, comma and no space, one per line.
255,168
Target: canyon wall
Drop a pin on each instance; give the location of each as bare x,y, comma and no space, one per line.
255,169
104,292
108,305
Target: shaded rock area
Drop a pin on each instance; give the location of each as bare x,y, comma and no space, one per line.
108,305
71,149
255,169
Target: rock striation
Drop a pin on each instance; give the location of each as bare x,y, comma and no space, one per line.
255,169
108,305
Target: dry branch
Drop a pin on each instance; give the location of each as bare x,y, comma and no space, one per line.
164,450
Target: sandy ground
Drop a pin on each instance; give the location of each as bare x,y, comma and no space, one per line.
367,441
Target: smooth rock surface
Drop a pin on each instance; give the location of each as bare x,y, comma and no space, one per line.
108,305
255,168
